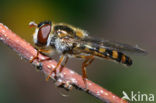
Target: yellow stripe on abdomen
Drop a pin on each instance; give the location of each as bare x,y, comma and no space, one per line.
115,55
105,53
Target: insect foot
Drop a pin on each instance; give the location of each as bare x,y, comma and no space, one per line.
64,84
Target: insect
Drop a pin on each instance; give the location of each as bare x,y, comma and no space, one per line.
69,41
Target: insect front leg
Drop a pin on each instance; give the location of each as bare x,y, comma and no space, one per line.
39,67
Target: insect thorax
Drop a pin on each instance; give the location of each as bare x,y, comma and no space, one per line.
60,45
62,38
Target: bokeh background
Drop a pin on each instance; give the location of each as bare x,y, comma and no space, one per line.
128,21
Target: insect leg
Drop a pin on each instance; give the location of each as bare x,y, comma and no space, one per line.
36,57
65,62
54,70
88,60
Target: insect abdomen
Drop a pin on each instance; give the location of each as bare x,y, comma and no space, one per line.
115,55
106,53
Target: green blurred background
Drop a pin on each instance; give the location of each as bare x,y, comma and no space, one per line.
128,21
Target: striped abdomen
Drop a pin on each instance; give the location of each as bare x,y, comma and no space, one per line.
115,55
107,54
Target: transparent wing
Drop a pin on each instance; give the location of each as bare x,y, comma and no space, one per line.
126,48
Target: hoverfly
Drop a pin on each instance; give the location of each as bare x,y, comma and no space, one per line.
70,41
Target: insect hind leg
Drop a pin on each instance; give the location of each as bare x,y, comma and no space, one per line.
88,60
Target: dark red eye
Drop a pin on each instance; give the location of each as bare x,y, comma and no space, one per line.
43,34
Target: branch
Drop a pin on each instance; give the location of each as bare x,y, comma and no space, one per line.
67,78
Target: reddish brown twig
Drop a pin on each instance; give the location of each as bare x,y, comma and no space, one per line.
67,77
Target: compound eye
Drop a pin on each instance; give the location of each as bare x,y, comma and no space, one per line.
43,34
